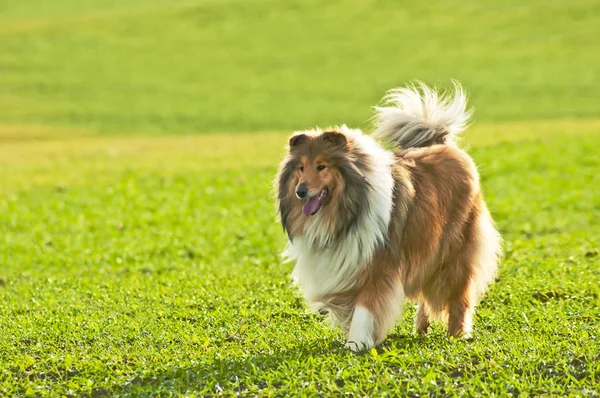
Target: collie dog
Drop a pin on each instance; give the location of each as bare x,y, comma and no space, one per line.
373,220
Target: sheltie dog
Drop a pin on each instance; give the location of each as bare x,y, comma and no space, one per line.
373,220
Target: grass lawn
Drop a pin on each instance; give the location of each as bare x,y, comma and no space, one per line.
135,265
138,260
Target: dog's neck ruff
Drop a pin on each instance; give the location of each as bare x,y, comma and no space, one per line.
326,264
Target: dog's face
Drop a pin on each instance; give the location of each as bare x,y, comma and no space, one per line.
323,173
316,176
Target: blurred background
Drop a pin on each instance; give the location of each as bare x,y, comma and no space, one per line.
181,66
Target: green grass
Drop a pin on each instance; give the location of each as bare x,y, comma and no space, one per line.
154,268
266,65
148,263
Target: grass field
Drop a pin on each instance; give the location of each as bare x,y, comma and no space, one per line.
267,65
138,260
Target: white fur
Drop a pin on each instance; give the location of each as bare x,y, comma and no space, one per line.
488,254
468,325
323,268
362,330
391,311
416,114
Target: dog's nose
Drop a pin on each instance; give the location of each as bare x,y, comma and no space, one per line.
301,191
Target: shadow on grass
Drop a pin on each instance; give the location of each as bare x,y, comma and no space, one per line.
253,373
232,374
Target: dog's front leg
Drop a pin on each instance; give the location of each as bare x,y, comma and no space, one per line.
377,308
362,330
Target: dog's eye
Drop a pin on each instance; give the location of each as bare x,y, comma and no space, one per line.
321,167
301,168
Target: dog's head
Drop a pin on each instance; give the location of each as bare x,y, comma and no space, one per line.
320,174
315,173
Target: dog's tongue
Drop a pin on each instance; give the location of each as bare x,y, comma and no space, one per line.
311,205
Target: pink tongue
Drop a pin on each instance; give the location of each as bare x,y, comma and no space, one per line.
311,205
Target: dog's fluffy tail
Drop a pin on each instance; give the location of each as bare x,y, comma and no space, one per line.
418,116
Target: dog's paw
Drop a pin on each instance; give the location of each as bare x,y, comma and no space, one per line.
359,346
361,336
461,335
421,331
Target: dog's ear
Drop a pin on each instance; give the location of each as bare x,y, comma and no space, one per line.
297,139
336,138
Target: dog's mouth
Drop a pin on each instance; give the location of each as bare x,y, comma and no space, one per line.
314,203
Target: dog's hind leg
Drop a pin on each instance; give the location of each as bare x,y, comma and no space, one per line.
422,320
460,318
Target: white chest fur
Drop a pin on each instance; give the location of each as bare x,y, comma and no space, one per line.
324,267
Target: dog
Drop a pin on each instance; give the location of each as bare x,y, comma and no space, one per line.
375,219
